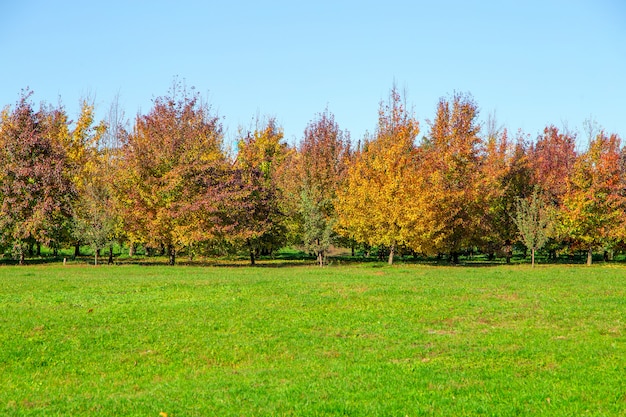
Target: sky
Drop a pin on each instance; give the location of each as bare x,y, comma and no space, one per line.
531,63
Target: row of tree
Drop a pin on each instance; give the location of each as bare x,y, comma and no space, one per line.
169,184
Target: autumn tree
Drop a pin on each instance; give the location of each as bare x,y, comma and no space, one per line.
323,154
379,201
534,221
96,220
506,177
35,191
593,206
261,153
454,192
178,136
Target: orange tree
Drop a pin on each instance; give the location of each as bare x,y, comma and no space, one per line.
455,193
177,138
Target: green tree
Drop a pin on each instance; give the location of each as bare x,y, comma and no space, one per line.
533,221
323,152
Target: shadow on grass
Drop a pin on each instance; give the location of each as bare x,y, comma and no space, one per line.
295,258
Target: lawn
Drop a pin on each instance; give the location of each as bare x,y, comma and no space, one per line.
357,340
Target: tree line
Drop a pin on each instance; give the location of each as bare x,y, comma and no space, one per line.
168,183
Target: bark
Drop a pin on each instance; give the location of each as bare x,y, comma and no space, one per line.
76,249
532,257
392,249
131,249
252,252
95,257
455,258
172,252
320,258
589,256
110,261
38,249
22,257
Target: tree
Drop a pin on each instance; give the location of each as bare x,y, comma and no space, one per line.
533,222
178,137
260,156
378,202
454,191
507,177
94,222
35,191
323,152
593,206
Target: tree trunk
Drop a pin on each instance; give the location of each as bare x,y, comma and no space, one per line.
532,257
131,249
352,247
76,249
455,257
172,253
589,256
22,257
320,258
392,249
252,253
38,249
95,257
110,255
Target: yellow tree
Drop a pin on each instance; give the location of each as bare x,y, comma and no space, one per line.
377,201
594,203
264,151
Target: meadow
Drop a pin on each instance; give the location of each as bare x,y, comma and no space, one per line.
277,339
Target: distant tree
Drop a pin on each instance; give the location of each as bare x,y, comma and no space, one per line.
34,189
94,222
324,152
454,191
594,204
533,221
379,201
260,155
507,177
178,136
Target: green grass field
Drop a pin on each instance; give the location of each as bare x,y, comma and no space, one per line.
359,340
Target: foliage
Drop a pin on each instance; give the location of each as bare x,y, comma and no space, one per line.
593,207
264,151
455,193
176,139
35,191
533,220
379,202
323,159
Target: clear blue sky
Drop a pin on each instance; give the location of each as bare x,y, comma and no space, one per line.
532,62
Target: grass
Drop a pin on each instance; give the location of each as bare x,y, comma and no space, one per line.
407,340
